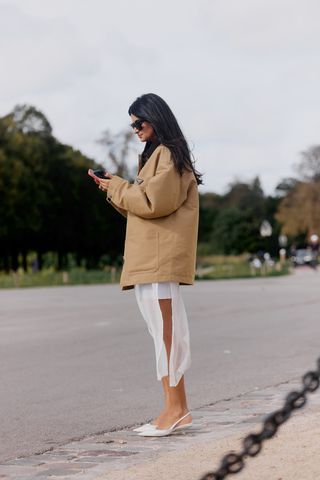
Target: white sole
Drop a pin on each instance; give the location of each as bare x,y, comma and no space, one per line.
149,426
155,432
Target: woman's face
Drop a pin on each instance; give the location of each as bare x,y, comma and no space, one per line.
146,132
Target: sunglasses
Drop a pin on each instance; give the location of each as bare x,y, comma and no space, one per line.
137,124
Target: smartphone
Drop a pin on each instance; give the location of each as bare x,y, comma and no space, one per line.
97,173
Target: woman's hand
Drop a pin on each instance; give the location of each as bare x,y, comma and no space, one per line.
104,184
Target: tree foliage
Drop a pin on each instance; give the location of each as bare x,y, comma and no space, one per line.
47,200
230,223
299,210
286,185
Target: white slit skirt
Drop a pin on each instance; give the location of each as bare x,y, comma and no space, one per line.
148,295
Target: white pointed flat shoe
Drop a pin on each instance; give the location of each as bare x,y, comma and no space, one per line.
163,432
143,427
150,426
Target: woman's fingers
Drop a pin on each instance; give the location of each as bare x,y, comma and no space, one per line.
104,184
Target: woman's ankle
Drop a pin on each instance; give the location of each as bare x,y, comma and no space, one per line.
177,410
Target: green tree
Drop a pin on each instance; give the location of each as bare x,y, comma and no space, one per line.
209,206
231,222
47,200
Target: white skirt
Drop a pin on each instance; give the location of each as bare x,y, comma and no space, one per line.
148,295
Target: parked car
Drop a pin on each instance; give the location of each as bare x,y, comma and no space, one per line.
302,256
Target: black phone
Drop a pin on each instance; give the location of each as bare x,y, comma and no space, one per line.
97,173
100,173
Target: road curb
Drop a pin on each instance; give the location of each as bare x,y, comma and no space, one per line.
99,455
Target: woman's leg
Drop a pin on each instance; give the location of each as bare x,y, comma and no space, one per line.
171,339
175,397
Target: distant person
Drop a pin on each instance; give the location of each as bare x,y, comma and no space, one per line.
293,250
260,255
35,265
293,254
162,210
314,246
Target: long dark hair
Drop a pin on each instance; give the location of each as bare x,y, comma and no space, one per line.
153,109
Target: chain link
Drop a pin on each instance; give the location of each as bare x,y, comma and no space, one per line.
252,444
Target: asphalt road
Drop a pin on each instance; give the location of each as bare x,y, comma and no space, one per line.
79,360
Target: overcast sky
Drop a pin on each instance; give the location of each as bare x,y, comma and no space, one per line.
241,76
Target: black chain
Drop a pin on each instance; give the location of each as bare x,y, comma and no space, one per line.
252,444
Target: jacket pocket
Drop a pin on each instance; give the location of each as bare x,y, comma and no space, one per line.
142,252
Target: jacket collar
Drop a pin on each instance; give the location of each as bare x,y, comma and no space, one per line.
151,150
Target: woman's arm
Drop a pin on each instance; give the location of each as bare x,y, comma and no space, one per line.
103,185
156,197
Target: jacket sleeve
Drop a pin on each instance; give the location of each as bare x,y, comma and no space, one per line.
157,196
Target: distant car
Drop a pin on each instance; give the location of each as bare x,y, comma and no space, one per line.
302,257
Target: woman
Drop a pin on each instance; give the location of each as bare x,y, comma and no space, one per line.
162,208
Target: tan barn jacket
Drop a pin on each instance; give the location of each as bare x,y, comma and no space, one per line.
162,210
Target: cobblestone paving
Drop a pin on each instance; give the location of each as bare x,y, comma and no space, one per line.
96,455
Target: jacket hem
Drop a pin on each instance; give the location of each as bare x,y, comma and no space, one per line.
128,285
